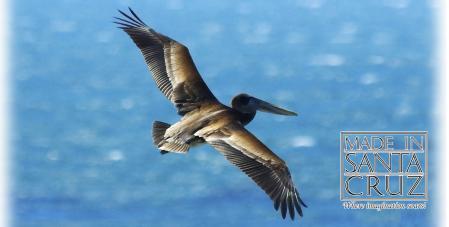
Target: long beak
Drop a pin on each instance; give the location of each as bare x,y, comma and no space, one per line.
270,108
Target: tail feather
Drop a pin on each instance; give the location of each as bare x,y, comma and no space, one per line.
159,129
161,142
175,147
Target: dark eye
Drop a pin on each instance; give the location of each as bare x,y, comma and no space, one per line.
244,100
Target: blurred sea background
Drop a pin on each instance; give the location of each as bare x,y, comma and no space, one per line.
84,102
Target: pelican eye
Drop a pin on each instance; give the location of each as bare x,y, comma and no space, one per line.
244,100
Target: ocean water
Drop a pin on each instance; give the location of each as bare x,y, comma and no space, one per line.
84,101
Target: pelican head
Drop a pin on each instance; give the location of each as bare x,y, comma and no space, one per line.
247,104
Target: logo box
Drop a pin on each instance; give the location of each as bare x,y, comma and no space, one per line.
383,166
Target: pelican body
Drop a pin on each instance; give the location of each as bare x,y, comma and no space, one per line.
206,120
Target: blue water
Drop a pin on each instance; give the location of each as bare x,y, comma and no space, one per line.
84,103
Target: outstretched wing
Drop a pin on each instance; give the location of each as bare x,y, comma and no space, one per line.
170,63
264,167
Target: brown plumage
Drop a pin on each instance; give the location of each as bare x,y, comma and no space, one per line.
206,120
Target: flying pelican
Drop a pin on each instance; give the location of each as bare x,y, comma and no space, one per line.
206,120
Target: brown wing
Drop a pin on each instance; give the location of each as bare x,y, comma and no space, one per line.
264,167
170,63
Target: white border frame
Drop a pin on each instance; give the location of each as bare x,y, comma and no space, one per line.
4,114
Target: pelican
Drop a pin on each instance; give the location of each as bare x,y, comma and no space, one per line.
205,120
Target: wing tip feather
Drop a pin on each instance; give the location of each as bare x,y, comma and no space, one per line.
289,198
130,21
